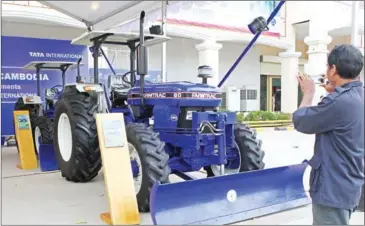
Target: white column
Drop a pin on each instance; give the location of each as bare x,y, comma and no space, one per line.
317,42
289,83
355,23
163,46
209,55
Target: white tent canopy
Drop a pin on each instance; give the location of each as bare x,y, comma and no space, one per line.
102,15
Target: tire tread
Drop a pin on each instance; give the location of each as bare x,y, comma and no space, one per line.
154,158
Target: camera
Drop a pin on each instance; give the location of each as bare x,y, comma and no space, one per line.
322,79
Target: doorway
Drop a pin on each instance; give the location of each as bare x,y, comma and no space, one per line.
274,93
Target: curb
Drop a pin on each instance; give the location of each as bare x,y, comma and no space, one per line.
284,128
272,129
262,129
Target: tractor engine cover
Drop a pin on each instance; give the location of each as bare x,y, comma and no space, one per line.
176,94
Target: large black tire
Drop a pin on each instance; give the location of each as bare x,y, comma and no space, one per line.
249,148
251,154
85,161
153,158
45,126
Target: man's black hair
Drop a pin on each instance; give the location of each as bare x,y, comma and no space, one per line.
348,60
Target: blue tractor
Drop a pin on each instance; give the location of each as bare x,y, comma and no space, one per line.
188,134
41,116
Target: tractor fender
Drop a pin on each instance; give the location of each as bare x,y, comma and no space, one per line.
32,100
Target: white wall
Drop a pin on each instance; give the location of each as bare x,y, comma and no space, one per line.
333,14
247,72
182,59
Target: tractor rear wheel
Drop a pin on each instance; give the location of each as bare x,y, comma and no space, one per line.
43,131
75,137
249,152
152,161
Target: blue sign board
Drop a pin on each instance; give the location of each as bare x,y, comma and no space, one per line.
17,82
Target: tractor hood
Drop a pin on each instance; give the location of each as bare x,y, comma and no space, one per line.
172,87
102,15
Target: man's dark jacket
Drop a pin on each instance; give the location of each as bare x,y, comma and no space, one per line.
338,162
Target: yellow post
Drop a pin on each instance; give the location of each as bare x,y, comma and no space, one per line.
117,170
24,138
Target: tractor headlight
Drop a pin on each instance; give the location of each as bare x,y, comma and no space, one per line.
89,88
29,99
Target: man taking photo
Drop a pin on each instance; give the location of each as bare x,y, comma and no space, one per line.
337,121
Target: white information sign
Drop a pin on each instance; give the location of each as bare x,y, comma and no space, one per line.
113,133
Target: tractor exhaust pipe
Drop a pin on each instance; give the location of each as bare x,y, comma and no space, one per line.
78,77
142,63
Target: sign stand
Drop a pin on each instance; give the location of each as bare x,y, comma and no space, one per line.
117,170
24,137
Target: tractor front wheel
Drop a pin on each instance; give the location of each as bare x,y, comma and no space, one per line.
249,154
149,161
250,147
42,132
75,137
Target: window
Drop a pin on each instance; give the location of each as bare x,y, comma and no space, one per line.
248,94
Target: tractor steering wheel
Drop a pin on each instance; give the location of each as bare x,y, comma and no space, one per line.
57,88
129,83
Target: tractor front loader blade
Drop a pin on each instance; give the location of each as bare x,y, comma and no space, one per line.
229,199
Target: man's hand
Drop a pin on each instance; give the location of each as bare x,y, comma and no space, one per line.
306,84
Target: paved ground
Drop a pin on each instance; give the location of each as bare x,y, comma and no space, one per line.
39,198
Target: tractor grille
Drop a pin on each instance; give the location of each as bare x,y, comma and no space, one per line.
185,120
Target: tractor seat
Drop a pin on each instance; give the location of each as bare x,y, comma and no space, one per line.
50,95
120,92
117,87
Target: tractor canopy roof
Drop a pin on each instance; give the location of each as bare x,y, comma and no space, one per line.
116,38
50,65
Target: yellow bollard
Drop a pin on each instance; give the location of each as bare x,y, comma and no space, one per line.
24,138
117,170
